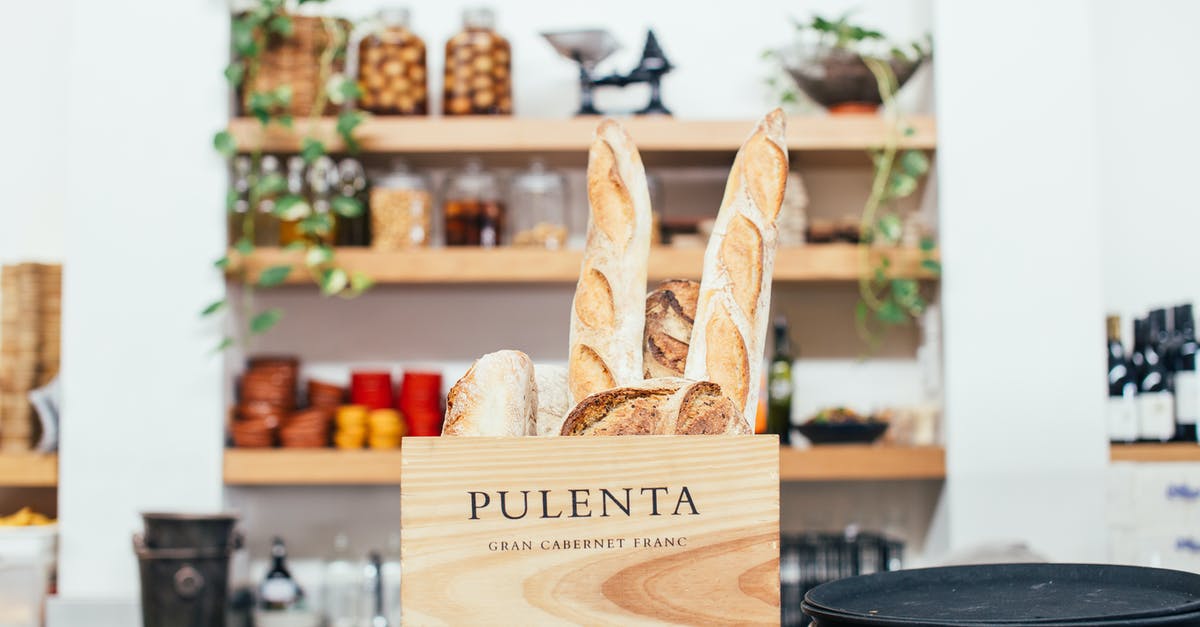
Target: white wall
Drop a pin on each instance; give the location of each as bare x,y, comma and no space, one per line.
1021,290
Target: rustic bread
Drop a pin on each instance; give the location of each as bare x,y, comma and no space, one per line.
663,406
730,327
552,398
670,312
497,396
608,314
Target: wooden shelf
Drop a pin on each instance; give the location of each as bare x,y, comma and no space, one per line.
263,467
28,470
813,263
1155,452
654,135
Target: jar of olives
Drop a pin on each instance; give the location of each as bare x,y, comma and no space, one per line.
478,63
391,67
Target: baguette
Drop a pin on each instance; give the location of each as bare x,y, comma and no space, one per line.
663,406
608,315
552,402
497,396
730,328
670,312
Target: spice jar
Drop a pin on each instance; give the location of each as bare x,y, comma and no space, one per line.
401,210
537,203
472,208
391,67
289,225
352,184
239,211
478,63
266,224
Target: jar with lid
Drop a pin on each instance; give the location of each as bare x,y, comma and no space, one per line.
391,67
352,184
289,221
239,210
472,207
323,183
537,206
478,76
401,208
266,224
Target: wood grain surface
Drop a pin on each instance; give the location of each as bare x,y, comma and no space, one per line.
707,557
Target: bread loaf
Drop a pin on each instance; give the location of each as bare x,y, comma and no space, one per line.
497,396
608,313
663,406
552,398
735,288
670,312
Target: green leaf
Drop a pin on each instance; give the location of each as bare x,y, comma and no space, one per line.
311,149
280,24
270,185
905,292
914,162
234,73
891,313
932,266
346,123
296,245
333,280
860,312
360,282
318,256
927,244
880,276
222,263
224,143
347,206
291,207
901,185
231,197
244,43
213,308
274,275
909,131
890,227
284,120
283,95
225,343
319,224
244,246
265,320
261,104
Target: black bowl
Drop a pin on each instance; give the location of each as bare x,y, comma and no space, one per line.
839,80
842,432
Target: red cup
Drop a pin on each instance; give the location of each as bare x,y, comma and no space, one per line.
372,389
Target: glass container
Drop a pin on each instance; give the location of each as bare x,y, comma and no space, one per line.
391,67
537,208
472,207
352,183
289,225
401,208
478,79
266,224
239,210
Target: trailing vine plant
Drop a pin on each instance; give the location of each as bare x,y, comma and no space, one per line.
253,32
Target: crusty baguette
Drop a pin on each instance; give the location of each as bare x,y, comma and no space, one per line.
608,315
670,312
735,289
497,396
552,398
663,406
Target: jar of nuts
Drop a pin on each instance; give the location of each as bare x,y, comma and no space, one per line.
478,62
537,204
391,67
401,209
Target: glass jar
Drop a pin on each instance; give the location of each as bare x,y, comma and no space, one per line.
239,210
401,209
478,79
266,224
323,183
537,204
352,184
391,67
289,225
472,207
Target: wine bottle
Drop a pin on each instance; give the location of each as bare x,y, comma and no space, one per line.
1156,405
779,385
1122,411
343,584
1187,380
279,591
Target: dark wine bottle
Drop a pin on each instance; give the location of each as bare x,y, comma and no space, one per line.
1186,378
1122,410
1156,404
279,591
779,385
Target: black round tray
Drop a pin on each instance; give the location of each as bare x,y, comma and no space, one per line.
1010,594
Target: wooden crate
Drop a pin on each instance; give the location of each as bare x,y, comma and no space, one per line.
617,530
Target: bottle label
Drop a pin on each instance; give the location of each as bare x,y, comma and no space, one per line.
1122,419
1187,396
279,591
1156,416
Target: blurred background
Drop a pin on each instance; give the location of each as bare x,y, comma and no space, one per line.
247,247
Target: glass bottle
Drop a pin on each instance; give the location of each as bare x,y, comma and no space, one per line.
239,211
779,385
266,224
473,212
343,585
401,208
478,76
537,206
322,183
391,579
352,183
289,226
391,67
279,591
